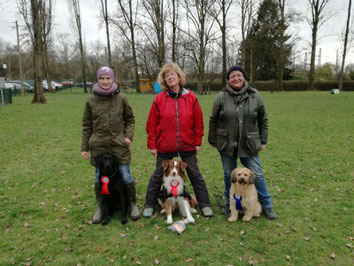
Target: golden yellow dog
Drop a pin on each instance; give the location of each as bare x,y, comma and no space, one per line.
243,195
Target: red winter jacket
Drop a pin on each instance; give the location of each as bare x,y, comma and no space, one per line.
175,124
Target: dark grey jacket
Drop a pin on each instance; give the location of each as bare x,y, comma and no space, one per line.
238,129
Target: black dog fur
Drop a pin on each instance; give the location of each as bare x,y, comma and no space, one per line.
108,166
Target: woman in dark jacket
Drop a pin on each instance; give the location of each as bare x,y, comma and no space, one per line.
238,128
108,126
175,128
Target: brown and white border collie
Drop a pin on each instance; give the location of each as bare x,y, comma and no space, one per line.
173,194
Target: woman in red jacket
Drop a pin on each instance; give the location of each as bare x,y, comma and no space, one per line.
175,128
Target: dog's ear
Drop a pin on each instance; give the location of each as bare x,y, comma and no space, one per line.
183,166
251,179
233,176
165,164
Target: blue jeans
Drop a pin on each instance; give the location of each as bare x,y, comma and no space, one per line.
229,163
124,170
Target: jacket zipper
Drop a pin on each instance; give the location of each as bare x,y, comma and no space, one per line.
177,124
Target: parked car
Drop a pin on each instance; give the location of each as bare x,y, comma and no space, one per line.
27,86
67,83
56,85
81,84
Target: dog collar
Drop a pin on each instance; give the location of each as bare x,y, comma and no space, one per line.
174,184
105,181
238,199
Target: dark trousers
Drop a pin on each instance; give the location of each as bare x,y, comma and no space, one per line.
196,178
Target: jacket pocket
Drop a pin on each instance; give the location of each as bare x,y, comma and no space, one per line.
221,139
253,142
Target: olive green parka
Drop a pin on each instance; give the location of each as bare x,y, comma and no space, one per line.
106,121
238,128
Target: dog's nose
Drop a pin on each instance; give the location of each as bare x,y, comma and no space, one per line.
174,172
242,180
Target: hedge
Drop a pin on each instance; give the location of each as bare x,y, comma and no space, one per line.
288,85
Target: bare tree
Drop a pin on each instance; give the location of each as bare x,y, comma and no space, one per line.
340,86
220,11
282,28
316,21
20,59
247,14
32,17
104,10
74,8
127,18
47,16
174,24
157,16
198,14
65,50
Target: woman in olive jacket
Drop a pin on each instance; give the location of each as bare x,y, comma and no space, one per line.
238,128
108,126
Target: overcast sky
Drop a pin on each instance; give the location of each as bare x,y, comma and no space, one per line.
330,42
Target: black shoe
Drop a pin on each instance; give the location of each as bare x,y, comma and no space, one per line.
226,210
269,213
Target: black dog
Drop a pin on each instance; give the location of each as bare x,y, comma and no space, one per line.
111,187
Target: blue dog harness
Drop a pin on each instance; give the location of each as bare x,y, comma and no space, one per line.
238,199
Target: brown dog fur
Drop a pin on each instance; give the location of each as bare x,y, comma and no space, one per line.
242,180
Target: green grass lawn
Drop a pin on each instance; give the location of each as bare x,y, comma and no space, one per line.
47,197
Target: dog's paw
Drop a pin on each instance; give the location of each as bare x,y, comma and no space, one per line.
193,210
189,220
162,211
169,220
232,219
246,218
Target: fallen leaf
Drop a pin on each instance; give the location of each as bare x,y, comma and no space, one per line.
26,225
307,238
250,262
81,226
42,203
280,225
67,226
124,257
287,257
157,227
349,245
88,222
189,260
138,262
240,258
242,232
100,250
333,256
314,229
122,235
156,261
263,260
207,229
241,244
351,238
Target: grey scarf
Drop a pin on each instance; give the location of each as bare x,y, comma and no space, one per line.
237,94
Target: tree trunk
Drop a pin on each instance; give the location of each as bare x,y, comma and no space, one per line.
340,85
313,57
38,96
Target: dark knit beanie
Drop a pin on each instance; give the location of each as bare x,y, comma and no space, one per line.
234,68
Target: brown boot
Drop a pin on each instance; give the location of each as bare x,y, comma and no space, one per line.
131,195
97,218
